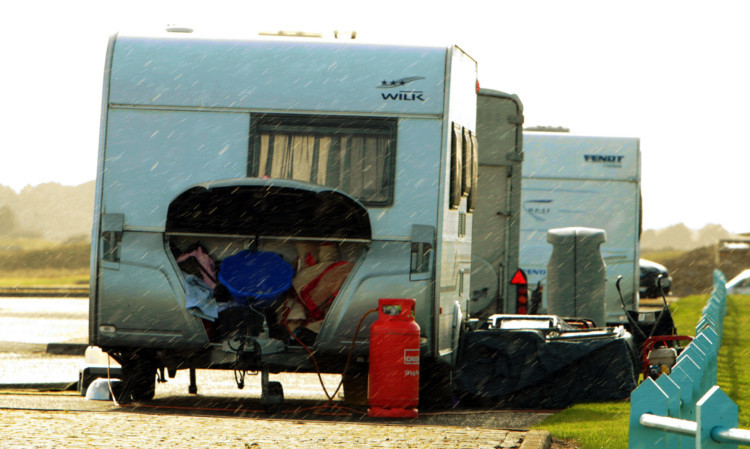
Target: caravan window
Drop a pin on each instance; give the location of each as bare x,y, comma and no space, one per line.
355,155
464,167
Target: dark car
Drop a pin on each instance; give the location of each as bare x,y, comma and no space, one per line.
650,271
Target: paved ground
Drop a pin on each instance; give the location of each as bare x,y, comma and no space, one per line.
219,416
140,430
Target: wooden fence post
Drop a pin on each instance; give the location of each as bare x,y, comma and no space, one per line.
715,410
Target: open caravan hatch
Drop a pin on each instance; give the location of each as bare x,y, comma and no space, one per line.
263,260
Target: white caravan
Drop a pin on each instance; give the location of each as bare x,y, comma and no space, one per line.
583,181
357,155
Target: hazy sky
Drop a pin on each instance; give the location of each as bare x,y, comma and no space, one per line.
674,73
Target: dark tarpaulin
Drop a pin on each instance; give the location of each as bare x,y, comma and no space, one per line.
523,369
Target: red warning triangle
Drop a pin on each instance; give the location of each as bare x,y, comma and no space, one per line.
519,278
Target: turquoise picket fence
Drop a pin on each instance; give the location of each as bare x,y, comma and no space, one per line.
686,409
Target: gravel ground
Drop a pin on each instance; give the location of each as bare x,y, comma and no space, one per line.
32,429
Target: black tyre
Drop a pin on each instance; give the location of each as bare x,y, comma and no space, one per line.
435,386
355,387
138,378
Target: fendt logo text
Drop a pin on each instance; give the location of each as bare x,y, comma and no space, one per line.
403,94
607,160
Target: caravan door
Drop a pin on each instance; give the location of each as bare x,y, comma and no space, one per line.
495,243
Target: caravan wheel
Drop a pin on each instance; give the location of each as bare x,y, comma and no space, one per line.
138,378
435,386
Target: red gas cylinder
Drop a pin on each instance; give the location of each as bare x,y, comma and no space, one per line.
393,389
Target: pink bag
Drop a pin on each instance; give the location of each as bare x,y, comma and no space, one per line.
197,261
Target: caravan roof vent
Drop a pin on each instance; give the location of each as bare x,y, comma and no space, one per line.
178,29
283,33
548,129
344,34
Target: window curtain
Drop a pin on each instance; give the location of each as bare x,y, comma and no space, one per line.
355,163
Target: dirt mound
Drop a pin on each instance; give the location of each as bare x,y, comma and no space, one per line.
692,271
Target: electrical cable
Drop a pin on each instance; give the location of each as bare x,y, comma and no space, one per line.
351,348
109,384
329,403
632,321
314,360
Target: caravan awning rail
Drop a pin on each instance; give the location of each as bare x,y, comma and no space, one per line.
268,237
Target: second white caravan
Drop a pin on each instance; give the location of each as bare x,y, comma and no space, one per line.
587,181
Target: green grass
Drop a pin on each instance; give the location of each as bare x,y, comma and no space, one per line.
686,313
605,425
44,278
592,425
734,355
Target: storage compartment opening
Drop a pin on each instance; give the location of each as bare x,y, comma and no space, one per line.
262,260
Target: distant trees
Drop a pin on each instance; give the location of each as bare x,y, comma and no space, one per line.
48,211
680,237
7,220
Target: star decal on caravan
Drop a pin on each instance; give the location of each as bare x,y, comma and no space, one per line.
399,82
